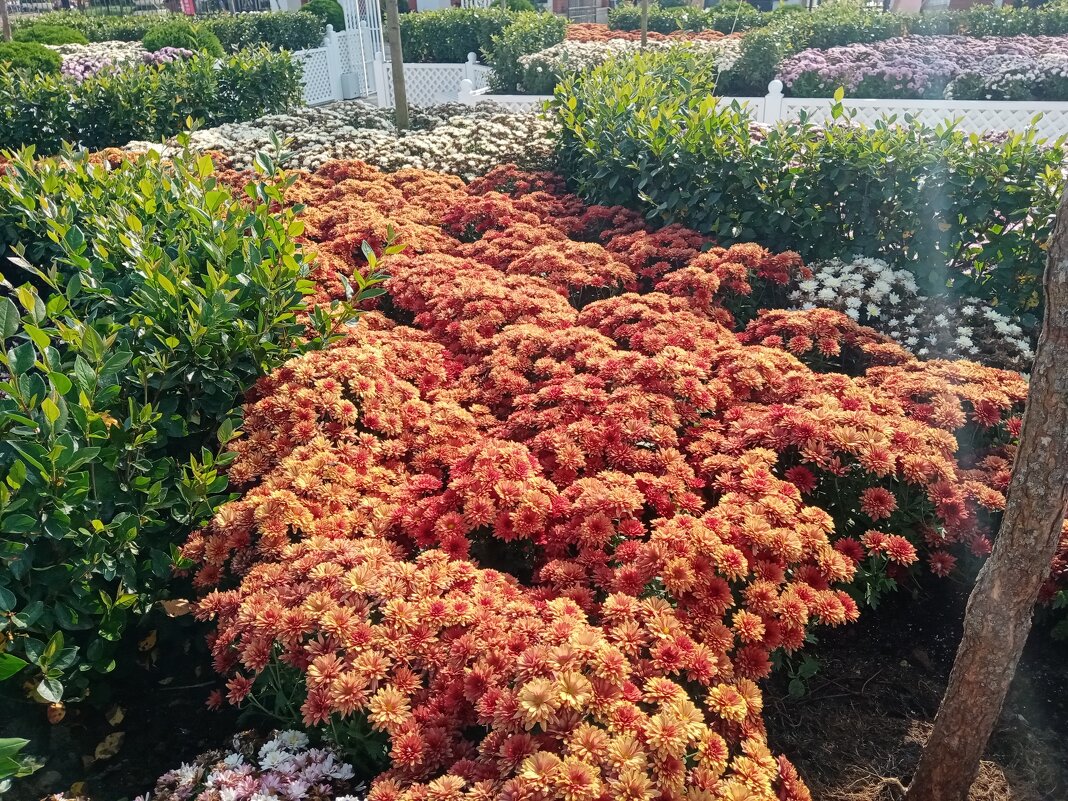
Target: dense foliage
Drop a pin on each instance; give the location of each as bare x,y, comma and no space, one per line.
28,57
725,18
967,215
150,297
329,12
277,30
111,108
499,37
182,34
528,33
540,525
49,34
448,36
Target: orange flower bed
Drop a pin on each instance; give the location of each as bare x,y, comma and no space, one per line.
544,518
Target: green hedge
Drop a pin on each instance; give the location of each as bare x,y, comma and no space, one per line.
29,57
971,212
49,34
447,36
149,298
724,18
328,12
183,34
276,30
143,102
530,32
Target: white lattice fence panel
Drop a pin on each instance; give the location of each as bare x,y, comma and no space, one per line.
480,76
426,84
318,86
973,116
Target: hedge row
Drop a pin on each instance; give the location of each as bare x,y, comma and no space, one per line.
964,214
277,30
498,36
110,109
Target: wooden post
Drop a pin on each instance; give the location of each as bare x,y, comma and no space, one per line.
645,22
5,23
998,616
396,59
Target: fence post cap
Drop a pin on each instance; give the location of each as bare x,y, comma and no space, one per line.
471,58
467,86
775,87
329,29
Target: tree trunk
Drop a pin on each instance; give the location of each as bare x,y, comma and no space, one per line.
396,59
5,23
998,616
645,22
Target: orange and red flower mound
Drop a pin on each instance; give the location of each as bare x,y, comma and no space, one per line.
545,517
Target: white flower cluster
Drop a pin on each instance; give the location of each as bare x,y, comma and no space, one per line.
461,140
873,293
283,769
114,52
544,68
1014,77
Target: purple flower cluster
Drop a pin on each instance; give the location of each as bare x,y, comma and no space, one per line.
165,55
81,67
908,67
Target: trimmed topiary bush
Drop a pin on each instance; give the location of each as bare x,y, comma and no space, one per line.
329,11
44,33
180,33
29,56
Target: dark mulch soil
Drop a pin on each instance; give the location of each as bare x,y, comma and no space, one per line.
115,748
857,733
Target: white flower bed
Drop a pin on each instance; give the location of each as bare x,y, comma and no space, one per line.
461,140
888,300
542,70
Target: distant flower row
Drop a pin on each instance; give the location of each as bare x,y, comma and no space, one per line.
962,67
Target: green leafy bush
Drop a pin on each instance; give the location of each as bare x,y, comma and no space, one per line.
101,27
297,30
726,17
154,296
276,29
447,36
530,32
144,102
965,214
28,56
49,34
329,12
181,33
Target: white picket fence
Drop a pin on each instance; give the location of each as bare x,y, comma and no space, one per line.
341,67
973,116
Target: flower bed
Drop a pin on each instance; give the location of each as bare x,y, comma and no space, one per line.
460,140
677,482
926,66
83,61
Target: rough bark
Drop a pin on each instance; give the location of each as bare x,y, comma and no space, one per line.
645,23
396,56
998,615
5,23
